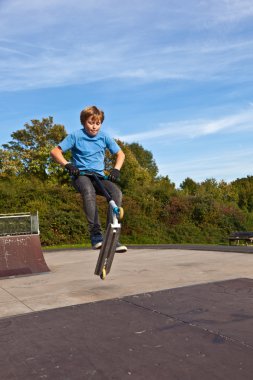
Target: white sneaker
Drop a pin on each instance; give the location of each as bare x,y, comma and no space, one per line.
97,245
96,241
121,248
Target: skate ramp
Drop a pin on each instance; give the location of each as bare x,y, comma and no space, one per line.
21,255
196,332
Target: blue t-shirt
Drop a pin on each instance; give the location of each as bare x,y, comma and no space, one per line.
88,152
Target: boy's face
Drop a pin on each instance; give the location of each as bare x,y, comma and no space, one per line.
92,125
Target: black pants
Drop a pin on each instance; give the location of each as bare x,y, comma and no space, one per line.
88,189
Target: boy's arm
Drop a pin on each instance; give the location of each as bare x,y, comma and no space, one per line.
115,173
120,158
58,157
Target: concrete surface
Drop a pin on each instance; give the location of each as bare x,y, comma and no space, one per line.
195,332
71,280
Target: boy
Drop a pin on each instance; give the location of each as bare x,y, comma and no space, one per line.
88,147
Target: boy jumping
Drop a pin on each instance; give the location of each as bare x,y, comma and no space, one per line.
88,146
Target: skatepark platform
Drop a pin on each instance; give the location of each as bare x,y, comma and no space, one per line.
21,254
160,314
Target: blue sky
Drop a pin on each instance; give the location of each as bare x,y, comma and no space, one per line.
174,76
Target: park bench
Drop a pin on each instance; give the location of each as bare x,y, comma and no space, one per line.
241,236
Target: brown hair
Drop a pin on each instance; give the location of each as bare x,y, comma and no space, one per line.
91,111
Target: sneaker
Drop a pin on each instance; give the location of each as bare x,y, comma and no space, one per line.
96,241
121,248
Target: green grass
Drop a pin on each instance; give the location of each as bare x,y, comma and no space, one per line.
87,245
66,246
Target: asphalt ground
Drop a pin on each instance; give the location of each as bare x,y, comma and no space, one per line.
162,313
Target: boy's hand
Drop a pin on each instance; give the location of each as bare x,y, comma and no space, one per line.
114,175
73,170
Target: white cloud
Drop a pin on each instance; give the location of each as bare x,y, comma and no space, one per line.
232,10
48,67
184,130
221,166
55,43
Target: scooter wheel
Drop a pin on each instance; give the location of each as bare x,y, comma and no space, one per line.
121,213
103,274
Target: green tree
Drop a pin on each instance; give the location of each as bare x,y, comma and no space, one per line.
189,186
144,158
29,150
10,163
163,189
133,178
244,190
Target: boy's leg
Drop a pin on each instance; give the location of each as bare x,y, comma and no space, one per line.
84,186
116,195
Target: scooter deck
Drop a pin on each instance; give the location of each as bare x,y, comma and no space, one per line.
107,251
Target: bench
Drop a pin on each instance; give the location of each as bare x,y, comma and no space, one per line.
236,237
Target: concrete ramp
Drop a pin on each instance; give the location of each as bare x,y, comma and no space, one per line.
20,255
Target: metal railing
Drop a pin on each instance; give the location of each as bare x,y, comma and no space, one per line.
22,223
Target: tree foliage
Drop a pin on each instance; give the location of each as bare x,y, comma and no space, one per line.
145,158
189,186
28,153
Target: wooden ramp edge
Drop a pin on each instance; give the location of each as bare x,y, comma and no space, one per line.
21,255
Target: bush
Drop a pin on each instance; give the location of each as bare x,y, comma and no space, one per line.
174,217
